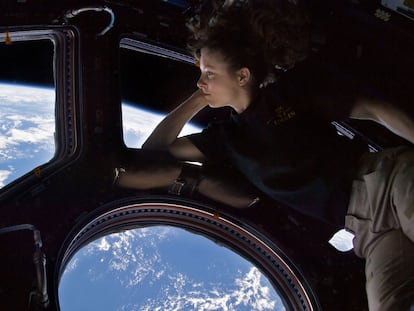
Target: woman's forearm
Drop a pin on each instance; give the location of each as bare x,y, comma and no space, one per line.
237,195
150,177
391,117
170,127
223,187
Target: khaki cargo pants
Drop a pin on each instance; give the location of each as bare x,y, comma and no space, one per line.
381,215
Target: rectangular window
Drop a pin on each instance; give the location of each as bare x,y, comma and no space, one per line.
27,106
153,81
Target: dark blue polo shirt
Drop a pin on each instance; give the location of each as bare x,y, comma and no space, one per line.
285,145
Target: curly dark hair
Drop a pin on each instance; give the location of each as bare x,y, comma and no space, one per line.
258,34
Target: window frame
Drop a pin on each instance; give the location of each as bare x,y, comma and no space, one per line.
67,101
238,236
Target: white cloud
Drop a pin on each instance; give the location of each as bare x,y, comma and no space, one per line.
26,117
25,95
139,123
3,142
34,135
73,264
133,258
103,245
27,127
248,292
252,293
124,253
3,176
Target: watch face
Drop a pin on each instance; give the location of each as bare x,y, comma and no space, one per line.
176,187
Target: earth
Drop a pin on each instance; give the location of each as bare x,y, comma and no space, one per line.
163,268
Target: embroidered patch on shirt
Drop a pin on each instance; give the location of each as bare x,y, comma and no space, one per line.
281,115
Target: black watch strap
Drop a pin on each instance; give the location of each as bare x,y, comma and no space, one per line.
187,182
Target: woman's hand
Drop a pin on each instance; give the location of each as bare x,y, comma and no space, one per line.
166,132
198,96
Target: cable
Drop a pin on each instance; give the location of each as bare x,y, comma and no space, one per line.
39,260
17,228
36,233
73,13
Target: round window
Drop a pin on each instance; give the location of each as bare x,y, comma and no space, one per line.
175,256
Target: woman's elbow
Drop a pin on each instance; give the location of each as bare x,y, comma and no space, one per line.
365,109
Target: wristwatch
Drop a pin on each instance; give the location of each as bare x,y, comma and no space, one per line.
187,182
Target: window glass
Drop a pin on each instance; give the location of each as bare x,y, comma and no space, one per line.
27,108
163,268
151,87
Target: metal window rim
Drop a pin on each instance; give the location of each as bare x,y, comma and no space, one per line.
238,236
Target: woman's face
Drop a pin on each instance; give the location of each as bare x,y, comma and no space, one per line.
221,86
